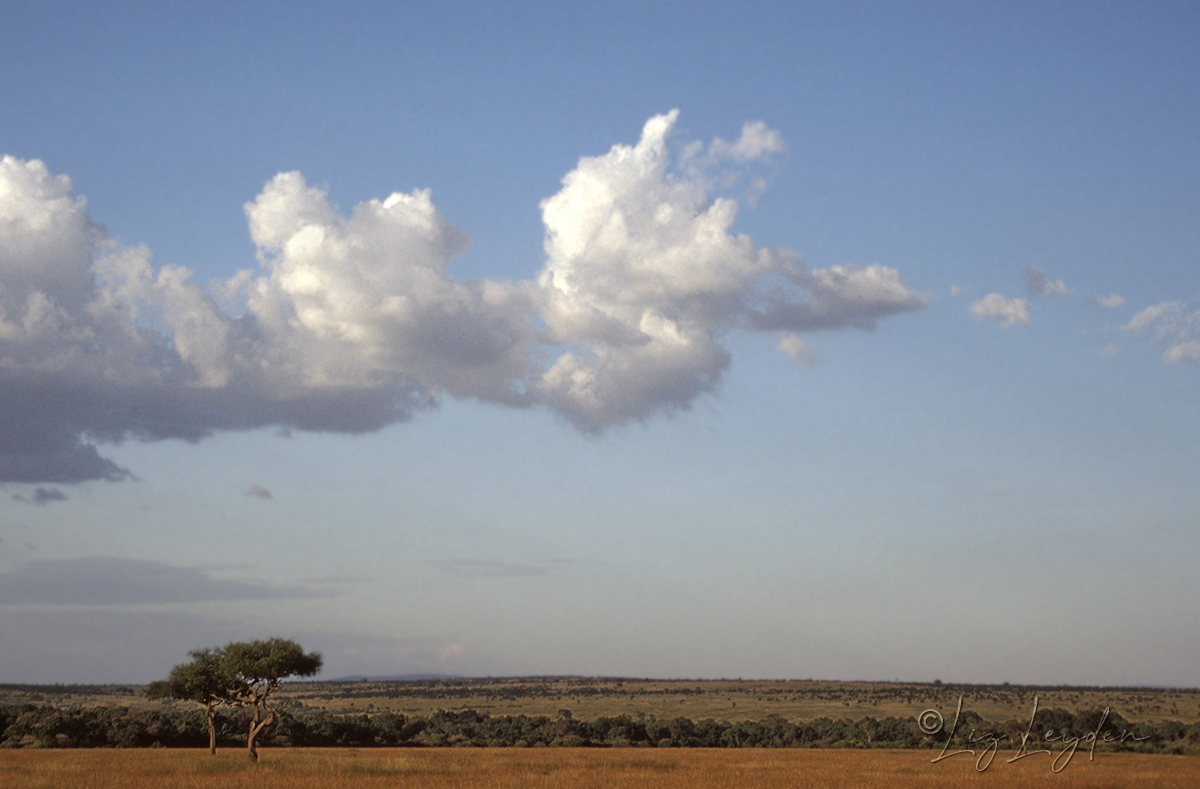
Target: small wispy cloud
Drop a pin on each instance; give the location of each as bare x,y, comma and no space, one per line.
1165,319
258,492
1173,322
796,348
1188,351
1009,312
452,652
723,164
1109,302
1038,285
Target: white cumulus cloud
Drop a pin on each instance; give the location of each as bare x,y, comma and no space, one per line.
350,320
644,273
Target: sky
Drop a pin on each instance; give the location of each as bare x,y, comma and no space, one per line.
853,340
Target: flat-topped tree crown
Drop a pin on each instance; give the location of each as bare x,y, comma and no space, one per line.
258,667
269,661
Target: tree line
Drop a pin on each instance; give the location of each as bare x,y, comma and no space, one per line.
45,726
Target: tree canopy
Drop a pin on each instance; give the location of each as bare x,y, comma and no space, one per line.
268,662
240,674
205,680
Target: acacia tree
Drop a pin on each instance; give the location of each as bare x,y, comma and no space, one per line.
204,680
238,675
258,667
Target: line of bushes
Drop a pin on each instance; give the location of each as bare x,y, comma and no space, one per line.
45,726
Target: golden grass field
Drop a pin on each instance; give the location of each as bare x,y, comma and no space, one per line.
610,768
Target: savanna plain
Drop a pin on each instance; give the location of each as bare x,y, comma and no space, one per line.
1171,715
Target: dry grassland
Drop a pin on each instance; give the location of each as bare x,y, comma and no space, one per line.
619,768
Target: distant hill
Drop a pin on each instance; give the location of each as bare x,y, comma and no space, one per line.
393,678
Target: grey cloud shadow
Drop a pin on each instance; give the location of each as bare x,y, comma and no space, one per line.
474,568
108,581
42,496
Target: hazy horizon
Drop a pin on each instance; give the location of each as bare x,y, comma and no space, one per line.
421,677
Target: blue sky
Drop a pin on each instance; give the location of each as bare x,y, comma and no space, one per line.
830,340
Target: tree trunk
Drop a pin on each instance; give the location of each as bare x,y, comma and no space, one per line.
211,713
256,726
251,751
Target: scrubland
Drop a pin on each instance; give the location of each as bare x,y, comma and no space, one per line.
592,697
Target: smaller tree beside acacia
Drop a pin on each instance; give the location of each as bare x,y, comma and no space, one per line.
205,681
238,675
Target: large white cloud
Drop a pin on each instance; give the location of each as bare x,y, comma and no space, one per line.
350,321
